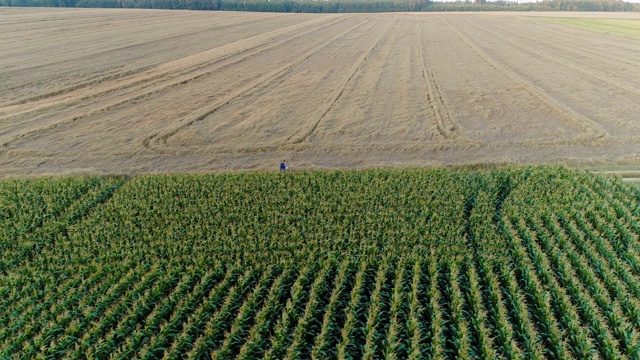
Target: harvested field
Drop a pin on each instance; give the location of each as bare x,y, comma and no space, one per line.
139,91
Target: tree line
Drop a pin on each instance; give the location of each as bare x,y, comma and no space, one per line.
337,6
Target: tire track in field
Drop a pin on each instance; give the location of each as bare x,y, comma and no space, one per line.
312,122
161,138
553,33
97,80
572,59
108,77
233,57
592,129
190,64
78,86
447,127
576,35
567,64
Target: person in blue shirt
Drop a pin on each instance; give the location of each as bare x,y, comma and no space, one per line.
283,166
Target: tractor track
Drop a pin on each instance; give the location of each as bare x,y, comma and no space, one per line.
311,124
592,130
574,50
192,73
166,71
113,76
572,39
447,128
568,63
159,138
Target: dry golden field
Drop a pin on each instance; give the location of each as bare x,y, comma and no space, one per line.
138,91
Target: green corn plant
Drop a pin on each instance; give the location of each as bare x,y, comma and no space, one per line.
317,300
578,340
192,327
523,326
281,337
481,333
374,312
256,343
164,306
243,322
394,345
324,343
415,329
213,330
353,325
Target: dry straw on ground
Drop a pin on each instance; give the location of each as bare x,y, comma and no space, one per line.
131,91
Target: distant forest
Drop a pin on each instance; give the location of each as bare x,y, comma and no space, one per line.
337,6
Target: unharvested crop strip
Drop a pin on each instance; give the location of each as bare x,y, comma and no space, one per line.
203,114
593,129
314,120
554,256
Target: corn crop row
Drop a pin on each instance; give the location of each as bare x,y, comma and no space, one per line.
511,263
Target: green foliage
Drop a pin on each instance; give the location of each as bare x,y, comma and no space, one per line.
525,262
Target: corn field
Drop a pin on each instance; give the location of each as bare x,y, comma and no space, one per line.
513,263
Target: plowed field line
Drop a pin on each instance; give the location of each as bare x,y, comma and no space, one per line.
568,64
447,128
592,129
312,122
204,113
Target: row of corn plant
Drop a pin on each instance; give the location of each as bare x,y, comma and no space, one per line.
525,262
578,340
226,345
256,343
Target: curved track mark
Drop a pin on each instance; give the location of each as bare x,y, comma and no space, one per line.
312,122
116,75
167,71
235,58
84,84
204,113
